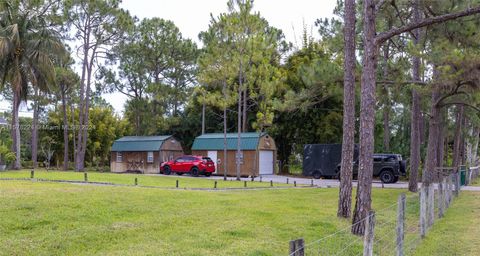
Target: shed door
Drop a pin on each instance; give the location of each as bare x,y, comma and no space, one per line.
266,162
213,156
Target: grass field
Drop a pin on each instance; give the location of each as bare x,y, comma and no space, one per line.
43,218
458,232
185,181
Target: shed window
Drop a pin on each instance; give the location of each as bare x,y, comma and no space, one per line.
150,157
119,157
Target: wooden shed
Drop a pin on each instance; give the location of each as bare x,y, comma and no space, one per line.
143,153
258,152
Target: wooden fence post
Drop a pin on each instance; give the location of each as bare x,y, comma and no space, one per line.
294,183
271,183
401,223
369,234
431,205
441,197
457,182
85,177
311,183
450,189
260,178
287,180
245,184
176,184
297,247
136,181
467,176
423,211
32,174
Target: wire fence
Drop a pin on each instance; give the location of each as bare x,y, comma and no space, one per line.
398,228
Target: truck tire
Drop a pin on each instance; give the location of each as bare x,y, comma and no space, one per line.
387,176
317,175
194,172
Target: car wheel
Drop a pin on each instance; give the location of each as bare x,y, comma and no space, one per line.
387,176
166,170
317,175
208,174
194,172
179,173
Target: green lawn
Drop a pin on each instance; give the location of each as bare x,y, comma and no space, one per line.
43,218
458,233
146,180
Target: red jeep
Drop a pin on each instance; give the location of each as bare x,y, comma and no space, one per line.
194,165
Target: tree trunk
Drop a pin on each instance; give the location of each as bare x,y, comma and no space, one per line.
239,122
386,97
35,130
225,132
433,141
81,108
367,121
203,115
441,138
474,159
85,125
416,112
468,144
244,111
348,145
16,131
65,130
386,124
458,136
463,142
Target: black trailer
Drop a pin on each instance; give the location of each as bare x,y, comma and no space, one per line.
323,160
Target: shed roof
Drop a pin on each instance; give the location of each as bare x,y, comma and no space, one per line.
139,143
214,141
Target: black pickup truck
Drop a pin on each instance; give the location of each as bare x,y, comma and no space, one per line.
323,160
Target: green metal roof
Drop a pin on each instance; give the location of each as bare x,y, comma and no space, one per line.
139,143
214,141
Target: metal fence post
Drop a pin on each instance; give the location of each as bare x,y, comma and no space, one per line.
401,223
369,234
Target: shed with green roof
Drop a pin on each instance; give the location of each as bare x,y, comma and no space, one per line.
258,152
143,153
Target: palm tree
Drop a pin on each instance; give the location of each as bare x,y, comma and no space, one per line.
28,43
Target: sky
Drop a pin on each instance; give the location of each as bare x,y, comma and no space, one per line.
193,16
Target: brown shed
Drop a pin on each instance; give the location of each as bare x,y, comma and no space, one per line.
143,153
258,152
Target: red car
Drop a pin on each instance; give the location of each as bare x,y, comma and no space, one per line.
194,165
